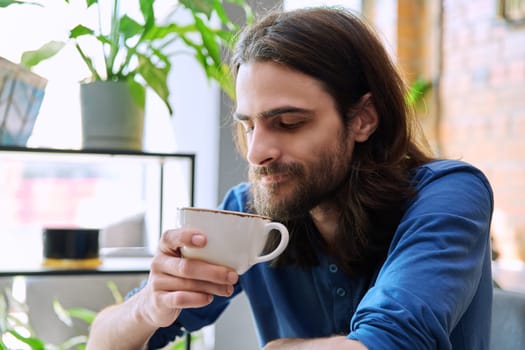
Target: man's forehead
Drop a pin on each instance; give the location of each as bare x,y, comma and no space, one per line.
262,87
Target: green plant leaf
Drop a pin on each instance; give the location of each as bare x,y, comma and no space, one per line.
227,37
160,32
208,40
417,91
146,8
77,342
219,72
67,315
180,343
89,62
138,52
32,58
80,30
34,343
83,314
139,96
156,77
5,3
113,39
105,40
223,15
223,76
129,27
62,314
117,296
199,6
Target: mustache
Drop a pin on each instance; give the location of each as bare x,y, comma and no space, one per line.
276,168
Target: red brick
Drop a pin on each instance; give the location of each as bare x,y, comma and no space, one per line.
482,96
498,74
518,125
483,54
517,71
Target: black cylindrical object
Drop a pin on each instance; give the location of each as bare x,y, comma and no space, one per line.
75,245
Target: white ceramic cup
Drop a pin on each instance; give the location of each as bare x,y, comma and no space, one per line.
234,239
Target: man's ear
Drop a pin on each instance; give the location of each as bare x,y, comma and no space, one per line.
365,120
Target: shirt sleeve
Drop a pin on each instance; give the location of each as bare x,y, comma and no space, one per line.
434,266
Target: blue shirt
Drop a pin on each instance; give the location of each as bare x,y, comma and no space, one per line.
433,291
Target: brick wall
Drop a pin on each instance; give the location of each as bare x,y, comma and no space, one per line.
482,93
476,109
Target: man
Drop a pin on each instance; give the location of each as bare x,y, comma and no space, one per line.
389,249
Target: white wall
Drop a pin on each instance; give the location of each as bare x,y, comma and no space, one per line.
195,125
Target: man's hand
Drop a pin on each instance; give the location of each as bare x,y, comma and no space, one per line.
332,343
176,283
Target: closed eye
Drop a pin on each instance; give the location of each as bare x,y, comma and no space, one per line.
282,118
290,121
290,126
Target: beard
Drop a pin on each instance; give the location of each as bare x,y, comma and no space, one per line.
306,186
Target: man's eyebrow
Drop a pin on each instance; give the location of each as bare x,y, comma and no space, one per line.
272,113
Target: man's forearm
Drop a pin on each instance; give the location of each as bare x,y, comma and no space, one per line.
117,327
332,343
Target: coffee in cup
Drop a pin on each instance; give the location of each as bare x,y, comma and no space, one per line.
234,239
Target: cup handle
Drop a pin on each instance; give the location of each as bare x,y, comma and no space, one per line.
282,245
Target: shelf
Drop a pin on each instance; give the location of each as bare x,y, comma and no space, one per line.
110,265
125,193
109,152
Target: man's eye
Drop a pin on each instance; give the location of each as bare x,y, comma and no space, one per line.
284,124
289,121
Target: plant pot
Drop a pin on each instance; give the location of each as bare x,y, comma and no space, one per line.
111,119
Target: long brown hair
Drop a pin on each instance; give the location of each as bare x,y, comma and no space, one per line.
339,50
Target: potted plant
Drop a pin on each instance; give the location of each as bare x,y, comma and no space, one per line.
135,54
16,328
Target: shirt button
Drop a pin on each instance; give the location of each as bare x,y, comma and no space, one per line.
332,268
341,292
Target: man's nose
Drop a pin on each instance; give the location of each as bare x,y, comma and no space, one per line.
262,146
